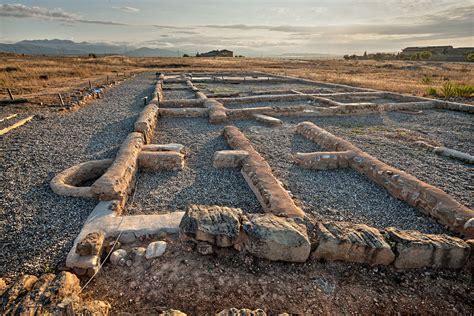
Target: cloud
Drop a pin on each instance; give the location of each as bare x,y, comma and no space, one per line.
22,11
127,9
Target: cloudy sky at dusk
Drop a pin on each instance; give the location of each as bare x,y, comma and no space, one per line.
258,27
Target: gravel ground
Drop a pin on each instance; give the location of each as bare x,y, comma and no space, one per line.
244,87
390,136
199,182
341,194
36,225
178,94
270,104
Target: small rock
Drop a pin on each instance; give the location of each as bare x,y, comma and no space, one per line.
117,256
204,248
127,238
155,249
137,254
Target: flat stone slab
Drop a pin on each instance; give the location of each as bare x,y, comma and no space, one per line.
104,218
352,242
164,147
417,250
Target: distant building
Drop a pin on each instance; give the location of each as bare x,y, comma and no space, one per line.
217,53
441,53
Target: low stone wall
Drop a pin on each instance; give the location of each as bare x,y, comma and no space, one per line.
146,122
185,103
324,160
217,112
258,174
429,199
68,182
186,112
116,183
286,239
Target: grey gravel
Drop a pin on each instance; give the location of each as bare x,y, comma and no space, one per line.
37,227
340,194
246,88
199,182
178,94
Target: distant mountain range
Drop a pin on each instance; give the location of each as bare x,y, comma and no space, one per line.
66,47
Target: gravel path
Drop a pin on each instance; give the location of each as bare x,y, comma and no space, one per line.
390,136
199,182
245,87
178,94
269,104
37,227
341,194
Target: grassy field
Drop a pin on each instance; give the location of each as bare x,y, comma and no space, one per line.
68,75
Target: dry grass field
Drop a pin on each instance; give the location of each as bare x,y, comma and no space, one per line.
67,75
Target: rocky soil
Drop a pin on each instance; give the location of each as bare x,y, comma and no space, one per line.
36,225
202,285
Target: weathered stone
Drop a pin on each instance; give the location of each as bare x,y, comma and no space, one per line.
241,312
155,249
137,254
164,147
229,158
171,312
49,295
417,250
276,238
127,237
217,225
470,262
324,160
269,120
146,122
352,242
69,182
111,245
117,256
21,286
91,244
3,286
161,160
204,248
115,183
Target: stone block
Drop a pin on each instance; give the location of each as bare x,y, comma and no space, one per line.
91,244
164,147
352,242
241,312
269,120
216,225
417,250
229,158
161,160
155,249
276,238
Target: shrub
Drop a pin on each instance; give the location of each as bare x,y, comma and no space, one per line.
425,55
426,80
448,90
470,57
464,91
431,91
11,69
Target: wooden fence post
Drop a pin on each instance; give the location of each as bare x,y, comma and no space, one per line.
10,94
61,99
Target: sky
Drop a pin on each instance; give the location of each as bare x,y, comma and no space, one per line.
249,27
